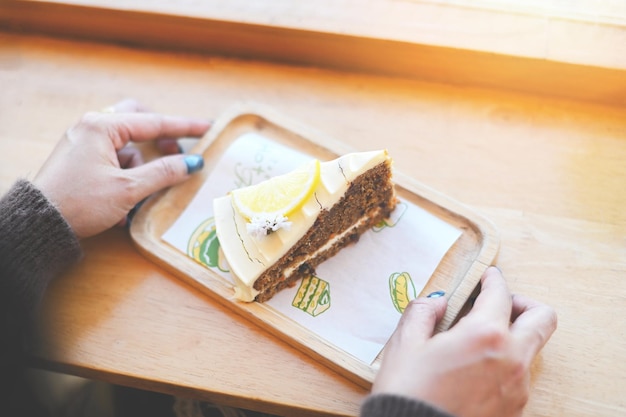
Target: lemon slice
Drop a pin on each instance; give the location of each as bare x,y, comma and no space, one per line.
278,196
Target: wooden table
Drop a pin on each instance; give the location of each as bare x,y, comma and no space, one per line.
549,172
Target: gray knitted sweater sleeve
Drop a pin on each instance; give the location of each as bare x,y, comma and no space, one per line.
36,244
388,405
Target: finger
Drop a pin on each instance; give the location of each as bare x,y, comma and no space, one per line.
533,323
123,222
128,105
162,173
494,300
141,127
420,318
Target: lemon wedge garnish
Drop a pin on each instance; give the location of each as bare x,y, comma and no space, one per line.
278,196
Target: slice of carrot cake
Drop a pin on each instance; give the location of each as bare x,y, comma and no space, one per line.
276,232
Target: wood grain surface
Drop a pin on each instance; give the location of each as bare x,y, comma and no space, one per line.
566,49
549,172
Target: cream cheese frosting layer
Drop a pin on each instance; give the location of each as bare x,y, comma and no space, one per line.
249,257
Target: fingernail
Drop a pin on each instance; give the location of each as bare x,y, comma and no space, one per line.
194,163
436,294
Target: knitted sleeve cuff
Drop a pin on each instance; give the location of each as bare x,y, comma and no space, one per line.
389,405
37,245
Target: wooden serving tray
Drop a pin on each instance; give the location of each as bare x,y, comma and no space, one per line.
458,274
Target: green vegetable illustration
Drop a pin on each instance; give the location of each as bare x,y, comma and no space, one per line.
204,246
313,296
401,289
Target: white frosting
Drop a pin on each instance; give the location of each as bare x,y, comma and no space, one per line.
249,257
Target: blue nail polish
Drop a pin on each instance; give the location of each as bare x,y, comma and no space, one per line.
194,163
436,294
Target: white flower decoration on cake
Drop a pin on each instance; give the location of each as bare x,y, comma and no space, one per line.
266,223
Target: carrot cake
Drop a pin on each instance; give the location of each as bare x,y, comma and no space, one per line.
276,232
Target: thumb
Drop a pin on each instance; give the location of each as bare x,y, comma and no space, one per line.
421,316
165,172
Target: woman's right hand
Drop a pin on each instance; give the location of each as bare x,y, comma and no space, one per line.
480,367
94,178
